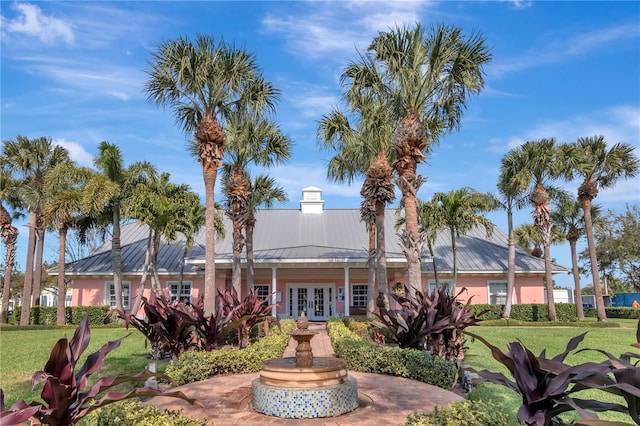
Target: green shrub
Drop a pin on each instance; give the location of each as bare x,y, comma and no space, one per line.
367,357
464,413
617,312
359,327
47,315
195,366
530,312
135,413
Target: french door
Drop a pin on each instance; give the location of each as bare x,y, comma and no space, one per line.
315,300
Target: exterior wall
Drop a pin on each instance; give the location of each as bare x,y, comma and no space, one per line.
528,289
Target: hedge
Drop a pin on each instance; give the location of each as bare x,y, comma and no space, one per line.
533,312
367,357
136,413
47,315
195,366
463,413
617,312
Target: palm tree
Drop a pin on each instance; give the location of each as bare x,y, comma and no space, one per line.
512,196
528,237
425,80
105,195
462,210
31,159
264,193
249,140
432,221
539,163
9,233
204,81
360,150
569,217
599,168
64,185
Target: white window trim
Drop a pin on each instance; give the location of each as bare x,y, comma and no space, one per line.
353,295
268,286
505,282
177,283
107,293
432,282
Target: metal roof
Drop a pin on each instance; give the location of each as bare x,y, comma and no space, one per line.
290,238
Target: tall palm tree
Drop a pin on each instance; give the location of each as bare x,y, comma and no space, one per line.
65,186
540,163
105,195
204,81
425,79
9,234
528,237
432,221
363,149
264,193
249,141
31,159
569,217
600,168
462,210
368,216
512,192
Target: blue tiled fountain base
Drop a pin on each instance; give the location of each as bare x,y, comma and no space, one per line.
299,403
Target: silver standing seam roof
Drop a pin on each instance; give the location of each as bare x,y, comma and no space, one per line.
290,238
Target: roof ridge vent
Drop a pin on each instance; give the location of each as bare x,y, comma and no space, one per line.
312,201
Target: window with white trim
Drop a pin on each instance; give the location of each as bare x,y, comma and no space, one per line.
498,292
359,295
448,284
181,294
262,290
110,294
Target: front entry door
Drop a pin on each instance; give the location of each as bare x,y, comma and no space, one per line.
315,300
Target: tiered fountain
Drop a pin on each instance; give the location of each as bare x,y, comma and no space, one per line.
304,386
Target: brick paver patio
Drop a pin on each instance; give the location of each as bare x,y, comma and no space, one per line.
384,400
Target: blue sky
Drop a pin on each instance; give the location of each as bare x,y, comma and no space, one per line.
73,71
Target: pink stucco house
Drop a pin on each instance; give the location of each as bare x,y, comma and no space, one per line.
311,259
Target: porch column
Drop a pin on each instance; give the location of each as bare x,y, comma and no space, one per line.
346,291
273,292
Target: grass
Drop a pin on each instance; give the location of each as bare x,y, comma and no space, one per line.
613,340
25,351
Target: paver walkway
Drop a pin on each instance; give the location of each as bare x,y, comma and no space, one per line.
384,400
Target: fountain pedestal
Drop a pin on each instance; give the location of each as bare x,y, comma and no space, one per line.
304,386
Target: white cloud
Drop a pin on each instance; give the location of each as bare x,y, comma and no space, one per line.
521,4
76,152
563,47
32,22
336,29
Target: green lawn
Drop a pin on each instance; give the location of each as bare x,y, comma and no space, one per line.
23,352
554,339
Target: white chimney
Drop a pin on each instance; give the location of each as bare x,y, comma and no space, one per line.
312,201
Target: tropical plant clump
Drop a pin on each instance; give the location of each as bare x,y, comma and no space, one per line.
548,386
432,322
175,327
464,413
66,393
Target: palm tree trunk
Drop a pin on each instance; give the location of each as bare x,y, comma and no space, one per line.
155,278
383,281
62,288
210,173
454,249
414,246
576,280
9,237
549,281
25,313
371,271
249,252
37,277
434,263
597,289
143,281
236,271
511,266
116,258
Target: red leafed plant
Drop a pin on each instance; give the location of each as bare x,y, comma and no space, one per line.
248,312
67,395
